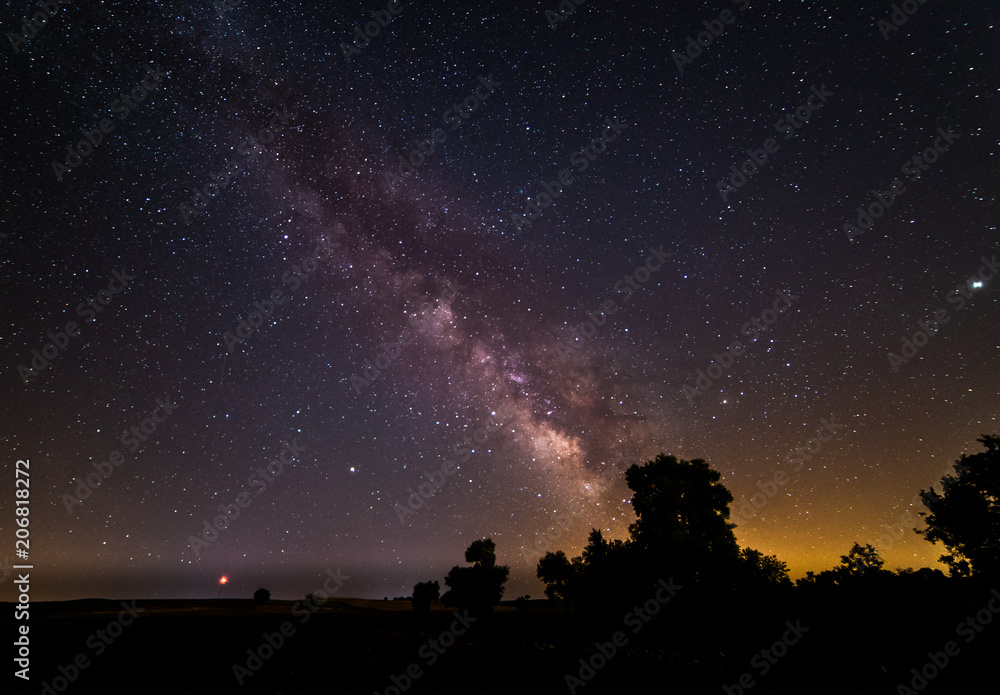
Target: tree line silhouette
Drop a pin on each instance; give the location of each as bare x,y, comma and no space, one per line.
682,530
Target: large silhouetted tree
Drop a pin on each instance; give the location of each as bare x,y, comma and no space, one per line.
681,532
966,518
480,587
682,524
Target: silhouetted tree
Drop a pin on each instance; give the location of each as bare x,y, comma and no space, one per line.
480,587
482,552
557,573
861,569
682,531
861,561
261,596
605,575
682,525
825,582
611,573
763,571
424,594
921,580
966,518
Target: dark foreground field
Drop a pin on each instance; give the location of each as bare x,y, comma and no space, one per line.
357,646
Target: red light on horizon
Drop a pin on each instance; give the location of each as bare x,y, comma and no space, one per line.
223,580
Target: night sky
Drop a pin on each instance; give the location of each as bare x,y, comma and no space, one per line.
261,163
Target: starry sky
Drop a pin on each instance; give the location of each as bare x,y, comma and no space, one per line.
264,160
